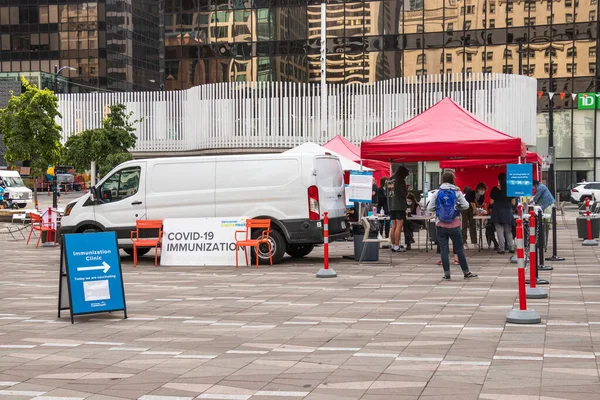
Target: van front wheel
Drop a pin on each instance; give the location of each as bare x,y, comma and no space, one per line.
140,251
277,243
299,250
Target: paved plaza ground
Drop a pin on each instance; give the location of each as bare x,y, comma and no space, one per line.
376,332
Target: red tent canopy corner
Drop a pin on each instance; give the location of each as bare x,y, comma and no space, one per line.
445,131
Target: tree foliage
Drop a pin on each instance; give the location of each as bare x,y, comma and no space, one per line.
106,145
29,128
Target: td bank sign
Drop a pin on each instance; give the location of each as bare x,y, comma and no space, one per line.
588,101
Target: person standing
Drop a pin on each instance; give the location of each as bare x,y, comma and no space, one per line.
476,200
447,203
502,215
382,204
410,227
543,197
374,198
396,193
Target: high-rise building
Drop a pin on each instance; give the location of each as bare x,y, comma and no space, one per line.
256,40
110,44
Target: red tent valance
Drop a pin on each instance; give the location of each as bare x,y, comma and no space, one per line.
531,158
445,131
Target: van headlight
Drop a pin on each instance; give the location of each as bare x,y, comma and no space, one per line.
69,208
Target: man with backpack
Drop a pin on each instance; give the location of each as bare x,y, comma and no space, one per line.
447,203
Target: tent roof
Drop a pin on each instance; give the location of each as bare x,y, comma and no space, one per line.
346,148
313,148
445,131
531,158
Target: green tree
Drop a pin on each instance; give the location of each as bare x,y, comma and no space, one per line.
29,128
108,146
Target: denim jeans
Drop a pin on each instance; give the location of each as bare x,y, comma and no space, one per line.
444,236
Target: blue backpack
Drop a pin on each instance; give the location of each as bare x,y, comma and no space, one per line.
445,205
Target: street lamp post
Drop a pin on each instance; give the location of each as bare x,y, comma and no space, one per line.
57,72
161,87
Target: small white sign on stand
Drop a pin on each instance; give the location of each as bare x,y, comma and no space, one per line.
361,186
201,241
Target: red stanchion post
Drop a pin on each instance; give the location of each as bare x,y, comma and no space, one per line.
590,241
513,259
522,315
533,292
326,272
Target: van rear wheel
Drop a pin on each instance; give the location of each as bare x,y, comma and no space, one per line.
277,243
299,250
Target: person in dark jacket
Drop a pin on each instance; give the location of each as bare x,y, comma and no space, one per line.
382,204
502,215
396,193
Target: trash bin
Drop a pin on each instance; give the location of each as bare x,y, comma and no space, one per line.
582,227
372,252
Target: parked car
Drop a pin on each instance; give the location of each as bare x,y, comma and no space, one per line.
584,190
15,188
292,190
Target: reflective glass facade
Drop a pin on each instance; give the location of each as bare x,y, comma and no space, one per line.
112,44
209,41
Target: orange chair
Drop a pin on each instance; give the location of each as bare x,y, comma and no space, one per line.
38,224
249,242
141,225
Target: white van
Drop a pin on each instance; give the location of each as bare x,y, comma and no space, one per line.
13,185
292,190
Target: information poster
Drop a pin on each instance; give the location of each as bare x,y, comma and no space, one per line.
347,196
201,241
361,186
519,180
93,270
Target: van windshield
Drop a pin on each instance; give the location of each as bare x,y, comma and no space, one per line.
13,182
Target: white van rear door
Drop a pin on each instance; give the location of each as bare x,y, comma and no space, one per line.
330,182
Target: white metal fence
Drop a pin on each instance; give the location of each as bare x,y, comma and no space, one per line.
286,114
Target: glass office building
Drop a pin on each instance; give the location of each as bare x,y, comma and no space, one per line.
208,41
111,44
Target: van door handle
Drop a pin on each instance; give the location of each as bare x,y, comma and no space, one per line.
136,203
339,195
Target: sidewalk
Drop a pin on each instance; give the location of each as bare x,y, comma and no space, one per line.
374,332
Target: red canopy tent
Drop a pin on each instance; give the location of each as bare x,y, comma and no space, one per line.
346,148
445,131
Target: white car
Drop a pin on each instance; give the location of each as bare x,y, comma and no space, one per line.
585,190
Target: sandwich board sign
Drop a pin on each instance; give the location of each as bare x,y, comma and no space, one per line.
91,280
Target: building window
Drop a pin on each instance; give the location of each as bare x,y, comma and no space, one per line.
449,71
530,5
487,70
448,57
569,17
469,57
531,69
492,8
592,51
450,27
547,68
572,52
469,9
419,28
568,3
571,68
509,22
421,72
421,59
469,70
549,19
508,54
509,6
467,25
592,68
507,69
593,1
547,53
530,21
593,15
492,23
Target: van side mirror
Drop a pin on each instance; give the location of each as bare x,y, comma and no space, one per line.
93,194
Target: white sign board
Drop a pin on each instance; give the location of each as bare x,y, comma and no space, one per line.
347,195
201,241
361,186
